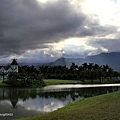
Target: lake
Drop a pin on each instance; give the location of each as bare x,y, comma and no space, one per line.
19,102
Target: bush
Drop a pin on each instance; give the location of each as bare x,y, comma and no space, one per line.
24,80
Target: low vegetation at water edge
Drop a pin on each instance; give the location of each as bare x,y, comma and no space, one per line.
38,83
3,84
24,80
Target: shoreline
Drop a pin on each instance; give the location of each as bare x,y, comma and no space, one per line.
106,106
67,82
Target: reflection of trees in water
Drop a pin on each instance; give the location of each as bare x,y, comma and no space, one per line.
23,94
33,94
15,94
74,93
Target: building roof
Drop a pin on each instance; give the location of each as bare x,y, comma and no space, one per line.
5,67
14,62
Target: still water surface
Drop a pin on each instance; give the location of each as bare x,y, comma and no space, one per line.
30,102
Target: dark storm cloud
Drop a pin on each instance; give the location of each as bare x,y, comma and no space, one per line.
25,24
93,28
112,44
109,44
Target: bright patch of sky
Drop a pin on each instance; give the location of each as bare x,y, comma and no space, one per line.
107,11
45,1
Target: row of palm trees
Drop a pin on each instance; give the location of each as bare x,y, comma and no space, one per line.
85,71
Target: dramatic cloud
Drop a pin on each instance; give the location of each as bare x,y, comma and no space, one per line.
25,24
43,30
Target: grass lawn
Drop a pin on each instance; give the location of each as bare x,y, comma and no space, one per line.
57,81
3,84
103,107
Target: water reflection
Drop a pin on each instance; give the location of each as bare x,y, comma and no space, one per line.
29,102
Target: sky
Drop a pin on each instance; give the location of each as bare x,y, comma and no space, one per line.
45,30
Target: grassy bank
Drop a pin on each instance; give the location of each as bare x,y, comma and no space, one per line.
103,107
3,84
57,81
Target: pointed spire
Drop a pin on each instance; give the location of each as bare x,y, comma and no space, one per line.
14,62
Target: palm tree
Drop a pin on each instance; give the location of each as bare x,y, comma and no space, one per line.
72,67
96,66
106,67
110,73
90,66
85,66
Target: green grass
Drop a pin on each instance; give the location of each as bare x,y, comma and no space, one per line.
97,81
57,81
3,84
103,107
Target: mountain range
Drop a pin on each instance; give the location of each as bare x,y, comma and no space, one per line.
112,59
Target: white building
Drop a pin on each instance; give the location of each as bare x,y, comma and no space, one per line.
5,70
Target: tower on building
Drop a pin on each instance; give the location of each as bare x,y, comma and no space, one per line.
14,65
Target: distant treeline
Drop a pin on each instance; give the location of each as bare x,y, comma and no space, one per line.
30,76
85,71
